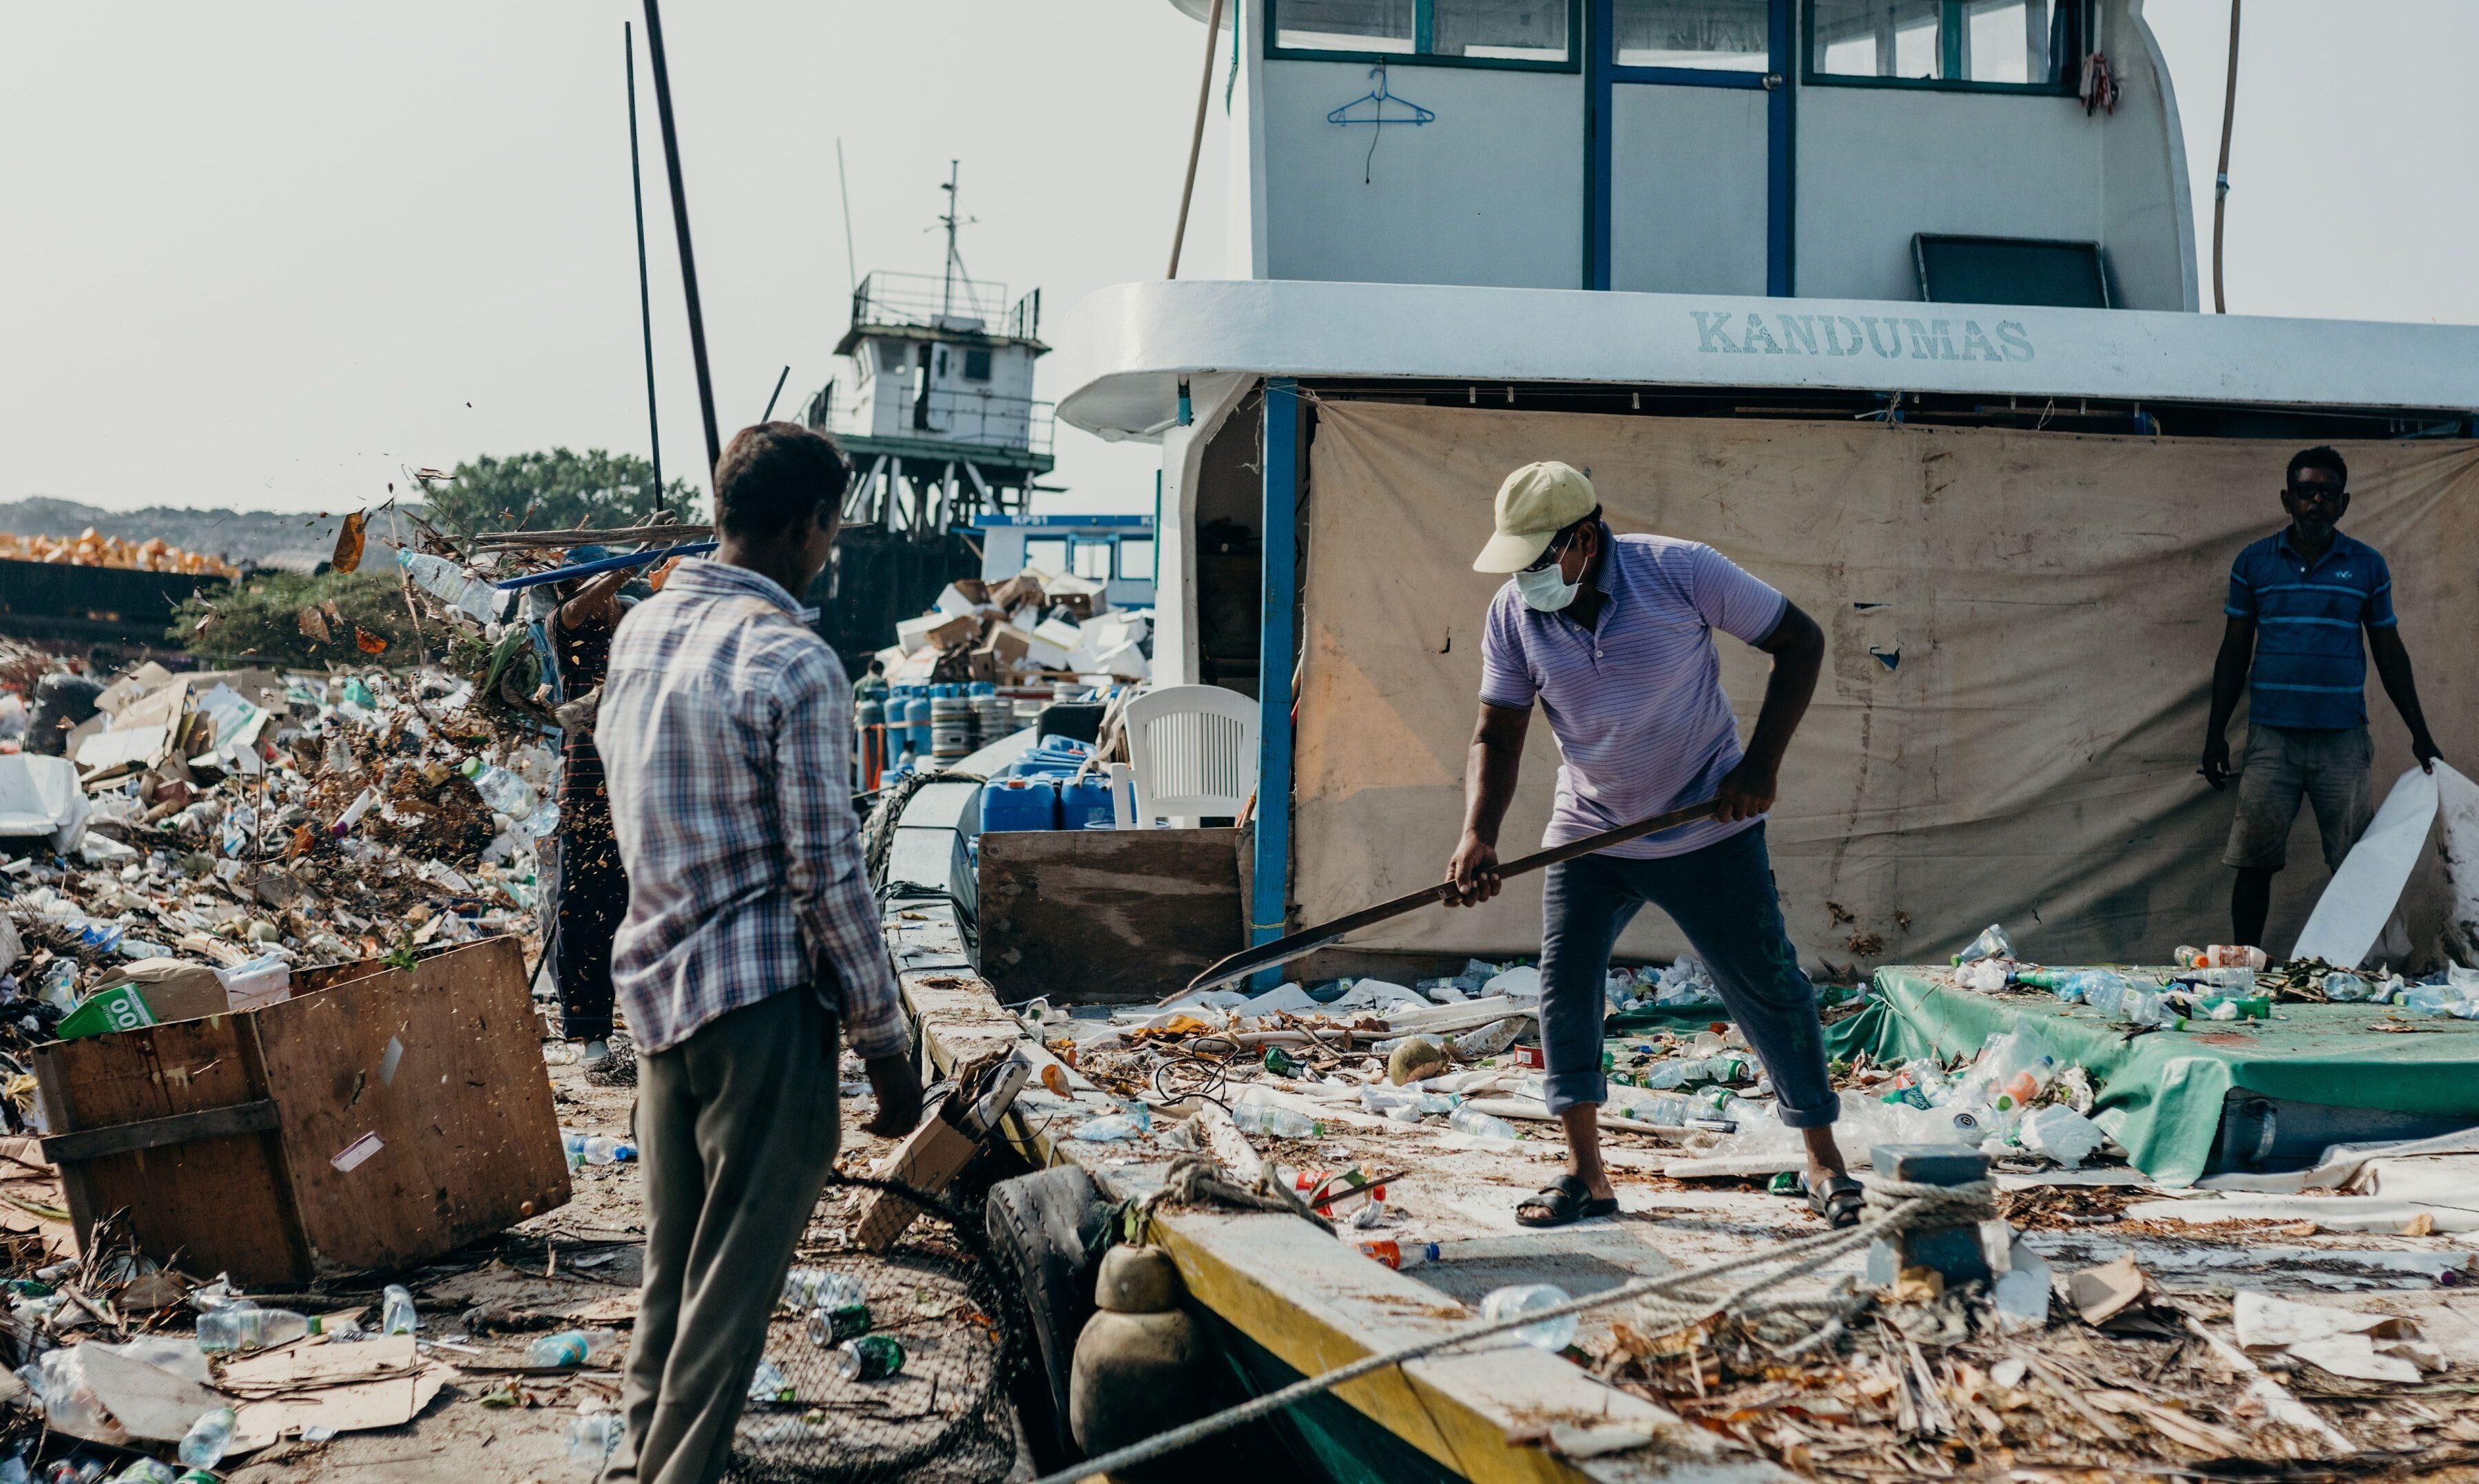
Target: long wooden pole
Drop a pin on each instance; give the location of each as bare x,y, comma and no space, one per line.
1307,940
2221,176
1196,136
681,221
645,286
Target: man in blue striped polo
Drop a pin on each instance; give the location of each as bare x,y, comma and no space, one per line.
1613,636
2298,600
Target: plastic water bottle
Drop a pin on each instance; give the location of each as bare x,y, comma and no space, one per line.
2145,1007
1551,1335
244,1327
817,1287
541,824
1282,1122
2432,998
603,1149
397,1315
203,1446
1398,1255
1992,943
1472,1121
501,789
592,1438
2344,988
570,1347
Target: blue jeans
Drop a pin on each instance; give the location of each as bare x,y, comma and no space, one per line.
1723,898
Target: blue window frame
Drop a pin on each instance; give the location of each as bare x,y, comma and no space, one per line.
2025,46
1521,36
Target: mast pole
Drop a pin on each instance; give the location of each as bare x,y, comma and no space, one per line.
645,288
681,221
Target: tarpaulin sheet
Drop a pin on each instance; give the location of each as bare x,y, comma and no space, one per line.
2020,631
2161,1093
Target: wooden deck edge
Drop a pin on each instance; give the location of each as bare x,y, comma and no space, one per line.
1315,1303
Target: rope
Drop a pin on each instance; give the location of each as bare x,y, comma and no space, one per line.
1903,1204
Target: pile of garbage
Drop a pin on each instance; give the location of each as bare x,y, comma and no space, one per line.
212,833
2223,982
1035,626
89,548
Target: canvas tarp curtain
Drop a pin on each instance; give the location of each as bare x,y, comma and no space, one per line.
2020,631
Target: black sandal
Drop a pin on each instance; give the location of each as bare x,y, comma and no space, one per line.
1839,1203
1567,1200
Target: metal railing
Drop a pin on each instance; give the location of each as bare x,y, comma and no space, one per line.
1016,424
931,302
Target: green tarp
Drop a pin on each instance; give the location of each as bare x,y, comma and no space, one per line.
2161,1093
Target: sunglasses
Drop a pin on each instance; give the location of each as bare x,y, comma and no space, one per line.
1556,548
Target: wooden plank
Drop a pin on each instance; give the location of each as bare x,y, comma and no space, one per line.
220,1204
1105,916
188,1128
468,1142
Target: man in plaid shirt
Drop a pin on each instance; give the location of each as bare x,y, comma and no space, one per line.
751,938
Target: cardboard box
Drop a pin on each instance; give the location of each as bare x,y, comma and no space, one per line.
952,601
1018,591
957,632
983,664
175,988
1008,644
911,633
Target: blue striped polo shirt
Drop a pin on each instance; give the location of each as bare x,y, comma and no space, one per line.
2311,663
1636,704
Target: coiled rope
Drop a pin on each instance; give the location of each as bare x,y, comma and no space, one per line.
1675,1300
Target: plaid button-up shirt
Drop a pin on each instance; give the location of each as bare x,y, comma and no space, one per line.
724,729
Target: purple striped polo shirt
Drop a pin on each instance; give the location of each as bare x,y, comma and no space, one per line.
1636,704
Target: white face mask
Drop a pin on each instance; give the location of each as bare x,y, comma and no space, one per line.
1548,590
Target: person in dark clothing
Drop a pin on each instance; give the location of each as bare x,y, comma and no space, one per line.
592,885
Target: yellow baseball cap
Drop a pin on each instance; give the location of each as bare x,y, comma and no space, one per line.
1535,504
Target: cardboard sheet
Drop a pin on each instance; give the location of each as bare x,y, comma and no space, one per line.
2020,631
2351,915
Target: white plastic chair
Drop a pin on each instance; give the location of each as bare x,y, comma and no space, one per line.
1192,754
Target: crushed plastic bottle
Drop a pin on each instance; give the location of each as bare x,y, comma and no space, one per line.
1992,943
1397,1255
1472,1121
1551,1335
769,1383
1275,1122
2221,956
820,1288
2344,988
592,1438
572,1347
242,1326
203,1446
501,789
397,1315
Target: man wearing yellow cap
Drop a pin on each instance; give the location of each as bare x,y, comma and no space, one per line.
1612,635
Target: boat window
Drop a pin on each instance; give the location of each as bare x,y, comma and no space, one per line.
1535,33
1510,30
977,366
1345,25
1727,35
1093,560
1137,558
2020,46
1047,552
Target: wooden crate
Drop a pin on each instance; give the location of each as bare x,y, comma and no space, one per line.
231,1140
1099,916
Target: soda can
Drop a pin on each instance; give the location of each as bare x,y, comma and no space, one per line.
869,1358
830,1327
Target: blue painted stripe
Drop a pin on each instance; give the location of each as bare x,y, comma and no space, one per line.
2300,618
1277,642
2326,690
2238,612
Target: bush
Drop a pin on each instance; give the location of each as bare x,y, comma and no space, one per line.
260,621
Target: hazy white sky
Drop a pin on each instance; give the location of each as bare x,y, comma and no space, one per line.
265,254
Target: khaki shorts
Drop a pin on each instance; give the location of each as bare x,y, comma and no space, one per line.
2328,769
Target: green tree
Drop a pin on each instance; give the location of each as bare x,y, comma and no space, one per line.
260,621
552,491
